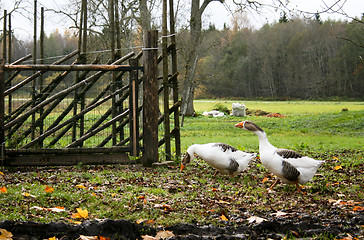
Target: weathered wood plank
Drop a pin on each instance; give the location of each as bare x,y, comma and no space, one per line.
2,109
86,67
150,99
68,160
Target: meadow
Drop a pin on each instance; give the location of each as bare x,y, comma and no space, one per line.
316,126
163,196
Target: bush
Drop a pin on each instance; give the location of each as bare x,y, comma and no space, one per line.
222,108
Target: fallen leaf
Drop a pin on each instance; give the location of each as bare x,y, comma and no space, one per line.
164,234
358,208
28,195
141,197
48,189
335,158
338,167
74,222
1,173
256,219
265,180
147,237
224,202
165,207
149,222
224,218
103,238
279,214
52,238
3,190
141,220
5,235
55,209
80,186
82,237
81,213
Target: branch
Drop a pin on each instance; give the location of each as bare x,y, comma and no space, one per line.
351,41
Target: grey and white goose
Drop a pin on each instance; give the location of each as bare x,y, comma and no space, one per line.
289,166
223,157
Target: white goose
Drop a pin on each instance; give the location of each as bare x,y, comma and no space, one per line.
223,157
288,165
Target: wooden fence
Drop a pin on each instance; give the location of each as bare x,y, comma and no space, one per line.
109,114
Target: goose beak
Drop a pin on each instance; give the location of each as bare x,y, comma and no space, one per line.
240,125
182,167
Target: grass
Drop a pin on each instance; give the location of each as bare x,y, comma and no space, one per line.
164,196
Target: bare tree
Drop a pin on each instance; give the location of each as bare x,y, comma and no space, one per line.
197,10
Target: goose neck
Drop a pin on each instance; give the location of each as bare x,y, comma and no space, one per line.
263,140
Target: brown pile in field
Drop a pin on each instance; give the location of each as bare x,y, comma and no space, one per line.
276,115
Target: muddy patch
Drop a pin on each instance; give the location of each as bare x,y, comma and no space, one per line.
277,228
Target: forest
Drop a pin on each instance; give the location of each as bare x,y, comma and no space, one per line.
289,59
293,59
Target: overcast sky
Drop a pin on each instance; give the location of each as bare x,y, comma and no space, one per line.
216,13
220,15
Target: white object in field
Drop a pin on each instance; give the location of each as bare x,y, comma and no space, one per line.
214,113
239,110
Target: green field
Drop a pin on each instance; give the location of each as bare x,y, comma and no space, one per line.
284,107
311,126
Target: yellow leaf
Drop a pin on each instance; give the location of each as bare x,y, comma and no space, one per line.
1,173
83,213
335,158
48,189
338,167
224,218
74,222
28,195
5,234
3,190
52,238
224,202
80,186
141,220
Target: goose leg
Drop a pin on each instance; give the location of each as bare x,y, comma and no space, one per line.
273,185
299,189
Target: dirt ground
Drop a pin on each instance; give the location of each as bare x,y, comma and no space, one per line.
329,226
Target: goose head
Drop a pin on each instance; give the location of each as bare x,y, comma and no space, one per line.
249,126
187,158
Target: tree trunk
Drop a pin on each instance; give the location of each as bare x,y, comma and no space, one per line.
192,57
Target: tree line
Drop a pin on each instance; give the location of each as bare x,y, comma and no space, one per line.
305,59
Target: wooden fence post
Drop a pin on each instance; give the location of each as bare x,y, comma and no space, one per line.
150,98
2,112
133,109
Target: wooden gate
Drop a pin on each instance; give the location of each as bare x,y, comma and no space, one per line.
108,114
